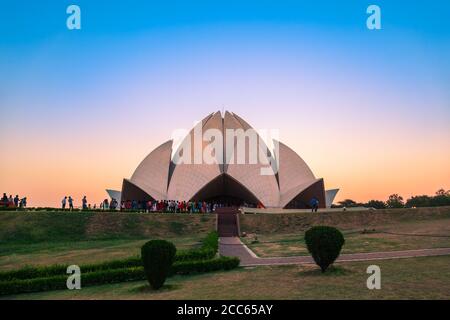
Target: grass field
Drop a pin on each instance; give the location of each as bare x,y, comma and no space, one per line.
266,223
293,244
42,238
32,227
13,256
415,278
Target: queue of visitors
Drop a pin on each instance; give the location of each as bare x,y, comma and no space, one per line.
173,206
10,202
106,205
146,206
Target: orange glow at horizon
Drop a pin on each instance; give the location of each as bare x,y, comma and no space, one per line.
370,167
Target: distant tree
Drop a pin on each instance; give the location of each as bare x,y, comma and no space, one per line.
442,192
377,204
395,201
348,203
419,201
442,198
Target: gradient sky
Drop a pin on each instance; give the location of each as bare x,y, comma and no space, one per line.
369,111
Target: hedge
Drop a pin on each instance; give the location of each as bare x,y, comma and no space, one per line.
29,272
202,266
207,251
113,276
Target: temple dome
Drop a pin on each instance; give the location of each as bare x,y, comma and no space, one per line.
290,184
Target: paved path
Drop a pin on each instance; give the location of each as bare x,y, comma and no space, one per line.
232,246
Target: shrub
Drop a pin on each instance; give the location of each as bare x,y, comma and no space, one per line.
211,241
324,243
157,257
208,250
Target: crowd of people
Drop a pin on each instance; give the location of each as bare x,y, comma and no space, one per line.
173,206
148,206
109,205
10,202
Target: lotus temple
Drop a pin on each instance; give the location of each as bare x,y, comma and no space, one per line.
290,183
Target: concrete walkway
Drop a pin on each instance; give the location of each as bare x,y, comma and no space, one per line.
233,247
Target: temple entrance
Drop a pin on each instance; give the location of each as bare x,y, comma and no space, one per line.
227,191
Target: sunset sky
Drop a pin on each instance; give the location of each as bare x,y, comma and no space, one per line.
368,110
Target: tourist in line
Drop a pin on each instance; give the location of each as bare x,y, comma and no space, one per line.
70,200
16,201
113,204
63,203
84,203
105,204
23,202
4,201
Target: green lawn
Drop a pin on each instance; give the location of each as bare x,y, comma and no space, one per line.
292,244
44,238
13,255
77,238
31,227
415,278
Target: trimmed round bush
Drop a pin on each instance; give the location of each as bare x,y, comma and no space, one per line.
157,257
325,244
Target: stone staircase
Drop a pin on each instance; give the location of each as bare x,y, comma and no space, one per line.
227,222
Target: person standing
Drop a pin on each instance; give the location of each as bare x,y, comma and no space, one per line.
63,203
314,203
23,202
84,203
10,201
70,203
4,200
106,204
16,201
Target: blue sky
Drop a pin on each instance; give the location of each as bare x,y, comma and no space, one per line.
139,69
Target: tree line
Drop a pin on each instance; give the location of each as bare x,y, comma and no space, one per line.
441,198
